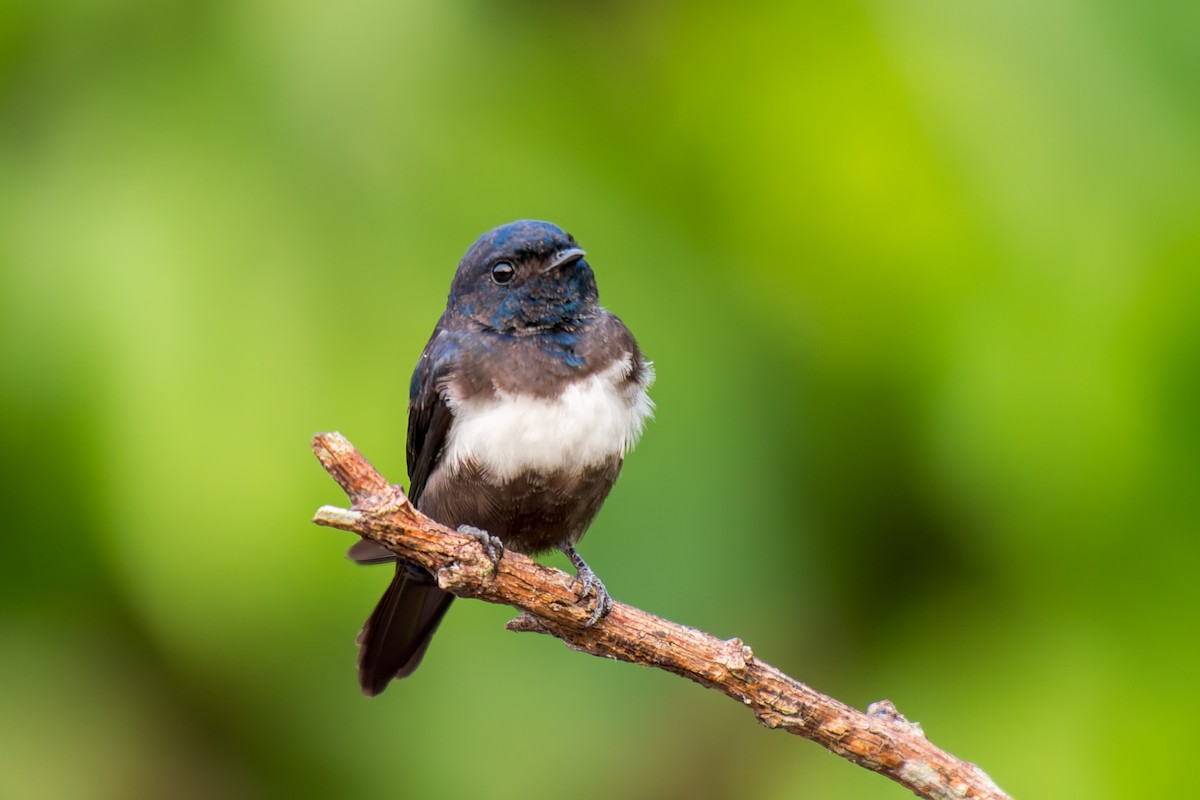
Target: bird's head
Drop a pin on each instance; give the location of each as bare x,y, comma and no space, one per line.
524,277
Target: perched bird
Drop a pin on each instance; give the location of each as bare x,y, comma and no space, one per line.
521,410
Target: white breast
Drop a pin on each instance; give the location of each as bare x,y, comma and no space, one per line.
592,420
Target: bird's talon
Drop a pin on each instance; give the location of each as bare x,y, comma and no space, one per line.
493,548
602,610
588,582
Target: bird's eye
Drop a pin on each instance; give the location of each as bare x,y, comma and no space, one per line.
503,272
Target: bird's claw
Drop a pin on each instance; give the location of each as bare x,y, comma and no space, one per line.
493,548
589,582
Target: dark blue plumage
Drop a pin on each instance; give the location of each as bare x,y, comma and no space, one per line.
521,409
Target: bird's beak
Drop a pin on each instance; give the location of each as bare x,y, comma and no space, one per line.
564,257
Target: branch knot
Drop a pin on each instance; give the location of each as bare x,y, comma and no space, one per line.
886,710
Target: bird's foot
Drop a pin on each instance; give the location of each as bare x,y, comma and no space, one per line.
493,548
588,582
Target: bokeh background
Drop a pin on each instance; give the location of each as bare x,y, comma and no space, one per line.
920,279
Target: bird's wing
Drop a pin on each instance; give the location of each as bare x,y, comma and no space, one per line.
429,414
429,418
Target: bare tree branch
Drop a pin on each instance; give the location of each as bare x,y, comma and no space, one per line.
881,740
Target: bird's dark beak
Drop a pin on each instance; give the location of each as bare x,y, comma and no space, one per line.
564,257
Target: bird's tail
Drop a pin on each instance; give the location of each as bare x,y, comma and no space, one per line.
397,634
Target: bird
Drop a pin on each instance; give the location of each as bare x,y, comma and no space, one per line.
522,408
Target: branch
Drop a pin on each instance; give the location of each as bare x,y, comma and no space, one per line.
881,740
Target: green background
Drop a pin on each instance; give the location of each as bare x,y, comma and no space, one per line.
920,280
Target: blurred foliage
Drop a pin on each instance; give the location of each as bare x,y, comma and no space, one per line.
920,280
